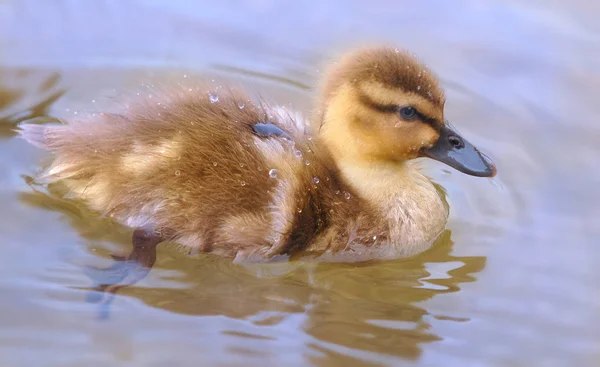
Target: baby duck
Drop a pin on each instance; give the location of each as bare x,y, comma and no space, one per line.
217,173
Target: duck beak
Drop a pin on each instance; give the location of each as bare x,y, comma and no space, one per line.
458,153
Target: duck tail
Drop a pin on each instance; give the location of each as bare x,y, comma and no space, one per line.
34,134
50,138
40,136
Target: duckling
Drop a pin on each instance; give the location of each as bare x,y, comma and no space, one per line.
220,174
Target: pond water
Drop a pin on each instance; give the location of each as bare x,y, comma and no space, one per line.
513,282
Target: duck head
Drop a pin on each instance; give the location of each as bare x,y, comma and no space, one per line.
383,106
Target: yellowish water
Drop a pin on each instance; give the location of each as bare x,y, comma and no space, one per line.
513,282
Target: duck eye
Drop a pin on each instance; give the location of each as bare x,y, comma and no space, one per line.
456,142
408,113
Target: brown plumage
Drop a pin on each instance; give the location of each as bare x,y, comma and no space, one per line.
195,167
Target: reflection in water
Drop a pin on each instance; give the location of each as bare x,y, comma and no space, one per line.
18,103
368,307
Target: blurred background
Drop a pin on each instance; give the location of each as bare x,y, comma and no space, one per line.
513,282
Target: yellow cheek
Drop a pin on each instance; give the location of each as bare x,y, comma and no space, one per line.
423,132
410,139
386,137
428,136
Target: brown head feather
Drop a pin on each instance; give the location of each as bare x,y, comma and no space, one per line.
391,67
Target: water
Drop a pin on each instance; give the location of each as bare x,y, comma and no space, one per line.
513,282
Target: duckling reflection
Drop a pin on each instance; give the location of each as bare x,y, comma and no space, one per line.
18,104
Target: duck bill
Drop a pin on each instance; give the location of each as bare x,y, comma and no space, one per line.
455,151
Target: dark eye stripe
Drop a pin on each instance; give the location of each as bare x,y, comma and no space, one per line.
379,107
429,120
391,108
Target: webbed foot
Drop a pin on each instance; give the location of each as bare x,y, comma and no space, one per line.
127,270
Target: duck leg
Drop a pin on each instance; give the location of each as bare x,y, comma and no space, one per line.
127,270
